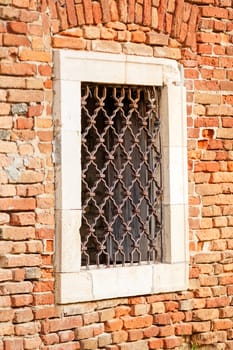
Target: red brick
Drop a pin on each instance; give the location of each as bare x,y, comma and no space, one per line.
28,328
23,315
119,336
52,8
222,324
135,334
166,331
62,15
17,27
183,329
35,30
6,315
97,14
156,39
162,319
214,12
66,336
200,327
122,311
91,317
23,69
44,286
161,14
88,11
21,300
138,37
10,204
71,13
8,329
131,10
30,55
13,344
122,10
5,275
218,302
65,323
205,314
35,111
20,260
226,279
30,96
17,233
17,288
80,14
105,11
155,343
24,123
151,331
46,312
192,27
177,316
136,300
21,3
172,342
50,339
15,40
138,13
137,322
33,342
147,12
178,17
71,43
43,298
113,325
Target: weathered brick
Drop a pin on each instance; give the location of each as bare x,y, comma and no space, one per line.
28,328
113,325
21,96
137,322
139,345
155,343
119,336
32,342
13,344
22,260
65,323
104,340
89,344
23,315
156,39
17,233
29,55
205,314
166,331
201,327
16,288
172,342
158,307
67,42
15,40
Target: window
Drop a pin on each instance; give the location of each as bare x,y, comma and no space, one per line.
121,177
121,182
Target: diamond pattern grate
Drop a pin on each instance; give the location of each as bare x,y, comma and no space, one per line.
121,175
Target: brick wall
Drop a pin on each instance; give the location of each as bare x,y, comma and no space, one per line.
198,34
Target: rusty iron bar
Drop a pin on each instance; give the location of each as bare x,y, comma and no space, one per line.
121,175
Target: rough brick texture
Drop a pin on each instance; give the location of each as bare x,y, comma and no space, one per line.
196,33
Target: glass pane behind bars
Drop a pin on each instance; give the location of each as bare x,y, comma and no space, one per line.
121,175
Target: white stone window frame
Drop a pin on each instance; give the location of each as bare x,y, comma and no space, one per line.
74,283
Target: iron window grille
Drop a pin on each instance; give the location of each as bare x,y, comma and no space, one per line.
121,175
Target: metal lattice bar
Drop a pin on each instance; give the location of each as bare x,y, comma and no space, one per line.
121,175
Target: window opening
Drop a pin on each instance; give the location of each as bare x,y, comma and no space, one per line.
121,175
